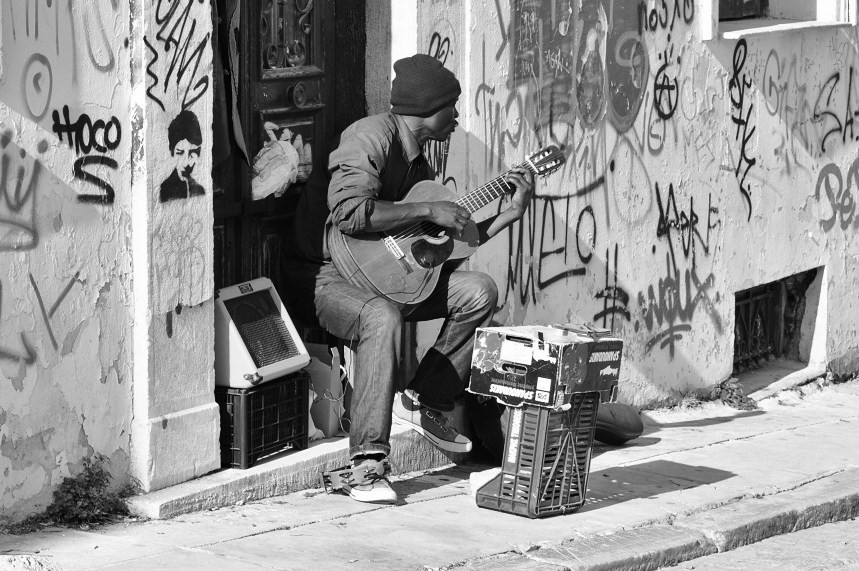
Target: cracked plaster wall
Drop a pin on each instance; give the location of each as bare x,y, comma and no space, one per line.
65,265
105,244
694,170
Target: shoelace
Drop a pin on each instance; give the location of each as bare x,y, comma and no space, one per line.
371,477
441,420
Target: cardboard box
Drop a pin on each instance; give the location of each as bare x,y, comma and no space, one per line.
543,365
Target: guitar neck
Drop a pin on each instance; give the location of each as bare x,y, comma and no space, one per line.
495,188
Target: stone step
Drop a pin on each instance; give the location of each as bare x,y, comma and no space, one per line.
288,472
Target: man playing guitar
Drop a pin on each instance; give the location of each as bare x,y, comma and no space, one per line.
378,160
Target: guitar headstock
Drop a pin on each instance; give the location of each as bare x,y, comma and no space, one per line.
546,161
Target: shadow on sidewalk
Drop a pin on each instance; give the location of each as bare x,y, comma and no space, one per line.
651,425
605,487
647,480
600,448
454,478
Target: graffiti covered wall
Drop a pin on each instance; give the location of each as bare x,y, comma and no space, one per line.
176,419
178,90
694,170
106,280
65,297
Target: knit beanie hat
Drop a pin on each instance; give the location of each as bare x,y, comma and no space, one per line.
422,86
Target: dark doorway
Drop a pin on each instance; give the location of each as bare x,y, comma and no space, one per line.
284,64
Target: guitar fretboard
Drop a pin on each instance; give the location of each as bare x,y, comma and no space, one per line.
495,188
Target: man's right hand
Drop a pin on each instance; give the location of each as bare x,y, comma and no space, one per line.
448,215
385,215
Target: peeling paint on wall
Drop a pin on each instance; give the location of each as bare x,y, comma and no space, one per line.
64,260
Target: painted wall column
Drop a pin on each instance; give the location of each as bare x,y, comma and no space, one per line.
176,421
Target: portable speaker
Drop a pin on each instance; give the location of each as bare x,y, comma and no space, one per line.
255,340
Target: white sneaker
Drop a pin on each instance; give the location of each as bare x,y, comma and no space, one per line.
368,483
432,425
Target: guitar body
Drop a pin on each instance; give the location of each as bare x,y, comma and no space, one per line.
403,264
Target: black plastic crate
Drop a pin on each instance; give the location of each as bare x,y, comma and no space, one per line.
262,420
547,457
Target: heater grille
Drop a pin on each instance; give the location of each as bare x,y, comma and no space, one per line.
262,328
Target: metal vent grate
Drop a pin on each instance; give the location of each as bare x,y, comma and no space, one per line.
262,328
757,326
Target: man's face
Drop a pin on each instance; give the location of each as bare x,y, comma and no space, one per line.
185,154
443,122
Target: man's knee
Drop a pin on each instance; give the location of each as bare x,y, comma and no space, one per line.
379,315
485,290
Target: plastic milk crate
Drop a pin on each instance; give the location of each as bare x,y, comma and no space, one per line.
555,377
262,420
547,458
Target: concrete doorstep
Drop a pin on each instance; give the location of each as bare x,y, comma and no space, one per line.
282,474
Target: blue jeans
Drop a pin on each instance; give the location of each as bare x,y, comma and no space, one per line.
374,326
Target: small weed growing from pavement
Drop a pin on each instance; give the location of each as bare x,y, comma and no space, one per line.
87,498
730,392
82,501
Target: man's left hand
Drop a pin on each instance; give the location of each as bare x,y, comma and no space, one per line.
523,181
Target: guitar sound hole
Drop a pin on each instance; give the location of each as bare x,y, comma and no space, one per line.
431,255
436,232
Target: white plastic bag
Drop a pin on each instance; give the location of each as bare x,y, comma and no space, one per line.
280,163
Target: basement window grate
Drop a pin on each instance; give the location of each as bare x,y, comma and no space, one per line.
758,326
768,319
738,9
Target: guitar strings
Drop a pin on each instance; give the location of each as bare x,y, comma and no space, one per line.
425,227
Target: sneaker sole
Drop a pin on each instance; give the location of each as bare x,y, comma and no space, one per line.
380,501
367,497
437,442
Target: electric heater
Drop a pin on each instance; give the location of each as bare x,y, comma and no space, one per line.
255,340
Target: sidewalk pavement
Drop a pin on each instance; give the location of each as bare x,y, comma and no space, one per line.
698,481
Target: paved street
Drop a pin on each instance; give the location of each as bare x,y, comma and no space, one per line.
698,482
828,547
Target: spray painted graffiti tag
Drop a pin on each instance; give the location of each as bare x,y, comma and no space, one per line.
839,198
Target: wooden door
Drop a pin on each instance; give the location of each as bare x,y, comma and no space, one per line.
294,58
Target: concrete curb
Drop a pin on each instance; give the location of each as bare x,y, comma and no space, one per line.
722,528
295,471
27,563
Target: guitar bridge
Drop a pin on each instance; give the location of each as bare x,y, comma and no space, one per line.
394,248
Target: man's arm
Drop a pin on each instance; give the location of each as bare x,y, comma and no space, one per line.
355,166
523,181
385,215
356,181
388,215
355,185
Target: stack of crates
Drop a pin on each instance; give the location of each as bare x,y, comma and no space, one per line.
553,379
263,420
546,460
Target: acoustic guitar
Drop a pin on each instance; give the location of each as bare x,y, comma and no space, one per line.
403,264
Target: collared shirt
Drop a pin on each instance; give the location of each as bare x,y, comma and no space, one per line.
378,159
